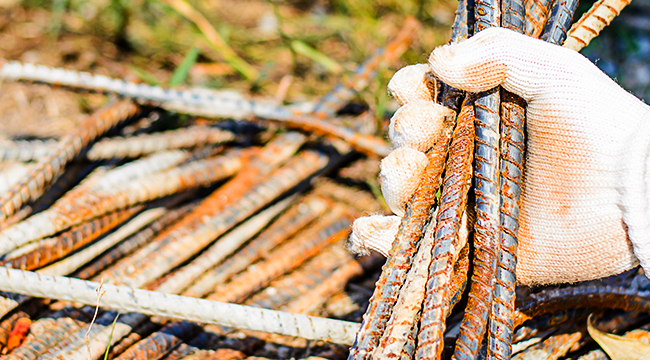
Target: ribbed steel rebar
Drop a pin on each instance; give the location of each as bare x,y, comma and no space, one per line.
197,102
178,247
592,22
178,307
404,317
311,302
158,219
418,214
301,280
49,332
24,151
289,223
559,21
329,229
553,347
73,210
156,345
365,72
224,246
69,146
586,296
135,146
453,201
536,14
486,188
513,115
52,249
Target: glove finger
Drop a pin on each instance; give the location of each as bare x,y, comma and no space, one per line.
400,175
522,65
376,232
417,124
413,82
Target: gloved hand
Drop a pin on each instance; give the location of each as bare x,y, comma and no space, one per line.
585,207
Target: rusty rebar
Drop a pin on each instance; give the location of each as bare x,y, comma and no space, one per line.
301,280
289,223
156,345
330,228
513,113
585,296
135,146
53,249
177,246
418,214
453,202
134,242
486,189
536,15
559,20
69,146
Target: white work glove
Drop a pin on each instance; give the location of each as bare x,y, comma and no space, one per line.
585,209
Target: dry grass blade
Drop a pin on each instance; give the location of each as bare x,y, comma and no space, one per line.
214,38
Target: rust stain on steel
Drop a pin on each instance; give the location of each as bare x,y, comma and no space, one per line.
453,202
418,214
585,296
53,332
134,242
58,247
69,147
156,345
555,346
513,114
289,223
310,302
332,227
301,280
135,146
536,14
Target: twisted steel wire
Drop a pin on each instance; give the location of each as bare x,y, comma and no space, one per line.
453,201
69,146
418,214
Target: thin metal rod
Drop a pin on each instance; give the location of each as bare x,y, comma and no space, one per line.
152,303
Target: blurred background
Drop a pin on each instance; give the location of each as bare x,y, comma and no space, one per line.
288,50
